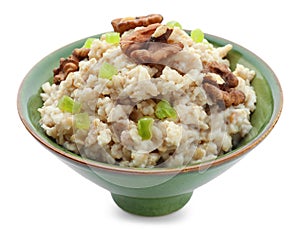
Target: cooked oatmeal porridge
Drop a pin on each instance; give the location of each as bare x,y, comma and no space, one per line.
148,94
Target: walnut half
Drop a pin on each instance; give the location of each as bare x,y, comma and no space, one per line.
224,99
70,64
142,47
123,24
224,95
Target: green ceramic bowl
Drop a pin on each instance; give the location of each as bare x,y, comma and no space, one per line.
159,191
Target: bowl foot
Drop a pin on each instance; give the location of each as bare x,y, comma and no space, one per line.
151,206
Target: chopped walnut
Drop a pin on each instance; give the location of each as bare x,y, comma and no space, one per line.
66,66
230,79
123,24
70,64
80,53
142,47
225,95
154,52
224,99
137,38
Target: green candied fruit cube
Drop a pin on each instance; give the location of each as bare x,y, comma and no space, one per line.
112,37
164,110
144,127
107,71
88,43
197,35
82,121
67,104
172,24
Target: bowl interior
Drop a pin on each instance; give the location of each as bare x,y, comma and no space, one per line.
267,88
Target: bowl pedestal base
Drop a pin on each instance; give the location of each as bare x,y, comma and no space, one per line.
151,206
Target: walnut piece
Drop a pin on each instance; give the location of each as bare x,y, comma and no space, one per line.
224,99
123,24
154,52
70,64
231,81
224,95
80,53
137,39
142,47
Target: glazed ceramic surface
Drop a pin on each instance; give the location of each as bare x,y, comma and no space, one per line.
158,191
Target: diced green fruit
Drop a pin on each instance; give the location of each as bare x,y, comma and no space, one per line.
112,37
76,107
165,110
172,24
197,35
82,121
107,71
67,104
144,127
88,43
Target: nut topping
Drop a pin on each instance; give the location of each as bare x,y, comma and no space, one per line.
142,47
225,95
231,81
224,99
123,24
70,64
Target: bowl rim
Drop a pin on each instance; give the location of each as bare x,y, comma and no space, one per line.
232,155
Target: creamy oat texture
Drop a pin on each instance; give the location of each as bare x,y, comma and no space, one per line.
201,131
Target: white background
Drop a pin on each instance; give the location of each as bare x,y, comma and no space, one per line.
39,192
